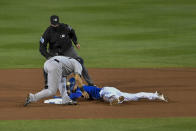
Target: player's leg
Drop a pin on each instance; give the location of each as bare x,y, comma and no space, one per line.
54,71
142,95
62,86
63,91
111,95
64,99
86,76
71,53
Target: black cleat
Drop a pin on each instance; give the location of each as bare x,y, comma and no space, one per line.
27,101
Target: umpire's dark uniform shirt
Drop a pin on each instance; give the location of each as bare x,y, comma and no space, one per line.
59,38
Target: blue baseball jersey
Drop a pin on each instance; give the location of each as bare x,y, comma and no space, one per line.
76,94
93,92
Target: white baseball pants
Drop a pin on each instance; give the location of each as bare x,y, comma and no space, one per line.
108,92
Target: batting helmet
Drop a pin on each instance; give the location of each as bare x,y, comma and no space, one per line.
72,83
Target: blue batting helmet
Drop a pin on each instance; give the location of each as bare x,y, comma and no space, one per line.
72,83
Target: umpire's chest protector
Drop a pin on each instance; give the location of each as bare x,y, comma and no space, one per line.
59,37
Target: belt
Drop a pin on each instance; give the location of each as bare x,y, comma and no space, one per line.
56,60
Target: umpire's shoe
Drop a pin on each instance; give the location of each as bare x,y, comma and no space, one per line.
27,101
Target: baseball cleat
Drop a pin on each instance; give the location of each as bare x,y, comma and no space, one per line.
161,97
27,101
71,103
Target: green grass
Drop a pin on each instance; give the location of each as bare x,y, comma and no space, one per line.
152,124
112,33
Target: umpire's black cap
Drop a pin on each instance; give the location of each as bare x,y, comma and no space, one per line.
54,20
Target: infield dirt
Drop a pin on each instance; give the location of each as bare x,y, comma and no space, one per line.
178,84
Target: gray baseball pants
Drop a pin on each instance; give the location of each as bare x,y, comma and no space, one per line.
54,76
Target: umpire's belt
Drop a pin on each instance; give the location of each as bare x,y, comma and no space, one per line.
56,60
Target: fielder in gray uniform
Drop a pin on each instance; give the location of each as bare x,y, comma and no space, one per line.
56,67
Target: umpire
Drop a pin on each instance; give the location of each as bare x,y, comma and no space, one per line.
60,37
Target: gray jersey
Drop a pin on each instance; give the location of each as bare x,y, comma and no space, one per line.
69,65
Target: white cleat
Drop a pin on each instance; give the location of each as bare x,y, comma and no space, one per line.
68,101
71,103
161,97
